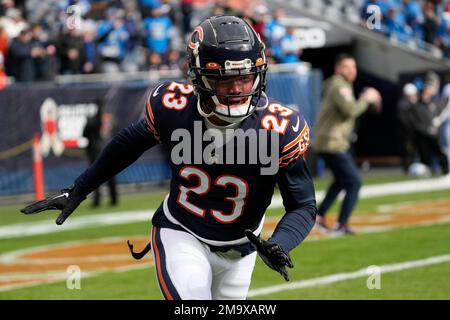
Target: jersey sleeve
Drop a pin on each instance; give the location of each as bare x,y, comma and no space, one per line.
297,190
152,105
125,148
294,141
166,108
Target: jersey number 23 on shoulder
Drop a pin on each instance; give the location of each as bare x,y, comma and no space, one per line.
170,99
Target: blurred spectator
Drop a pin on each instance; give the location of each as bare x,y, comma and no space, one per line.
147,6
155,61
157,30
90,51
290,47
98,9
396,27
385,6
98,130
44,61
415,22
5,5
226,7
173,60
443,120
53,18
168,9
112,37
4,42
335,124
413,17
120,29
274,32
134,54
426,133
431,21
443,35
259,17
71,49
13,22
3,77
186,11
446,87
365,13
217,11
247,15
20,57
404,107
132,27
84,6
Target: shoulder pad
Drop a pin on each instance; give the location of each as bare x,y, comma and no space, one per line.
293,130
291,127
164,99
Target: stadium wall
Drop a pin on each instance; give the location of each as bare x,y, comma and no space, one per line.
30,109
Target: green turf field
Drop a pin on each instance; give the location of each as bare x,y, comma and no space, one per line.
315,258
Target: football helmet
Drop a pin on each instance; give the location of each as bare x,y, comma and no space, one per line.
220,48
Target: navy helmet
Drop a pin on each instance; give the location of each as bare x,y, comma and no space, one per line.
221,47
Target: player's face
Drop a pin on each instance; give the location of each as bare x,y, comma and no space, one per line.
347,69
239,85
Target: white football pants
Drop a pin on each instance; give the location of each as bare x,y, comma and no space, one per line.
187,269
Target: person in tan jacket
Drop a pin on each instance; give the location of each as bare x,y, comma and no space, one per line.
334,127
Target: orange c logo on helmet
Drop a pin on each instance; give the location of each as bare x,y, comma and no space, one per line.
212,65
198,29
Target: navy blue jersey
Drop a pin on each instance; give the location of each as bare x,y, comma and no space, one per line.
212,194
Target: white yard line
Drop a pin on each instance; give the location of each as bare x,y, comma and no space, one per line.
74,223
405,187
124,217
338,277
16,256
52,276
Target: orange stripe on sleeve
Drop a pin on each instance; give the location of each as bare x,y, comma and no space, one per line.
296,140
290,154
149,110
301,148
287,161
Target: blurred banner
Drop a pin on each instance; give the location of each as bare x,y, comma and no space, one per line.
59,114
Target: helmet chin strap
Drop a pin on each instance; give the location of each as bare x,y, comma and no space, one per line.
200,110
231,120
242,108
265,103
208,115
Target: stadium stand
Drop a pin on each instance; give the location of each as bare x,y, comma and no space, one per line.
85,37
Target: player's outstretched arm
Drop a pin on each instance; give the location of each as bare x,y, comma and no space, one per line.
124,149
66,201
272,254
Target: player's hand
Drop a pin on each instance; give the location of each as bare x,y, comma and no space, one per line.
272,254
373,97
67,201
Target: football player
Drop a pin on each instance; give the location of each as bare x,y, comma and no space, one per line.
205,234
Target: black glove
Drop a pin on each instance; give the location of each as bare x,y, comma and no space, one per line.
67,201
272,254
